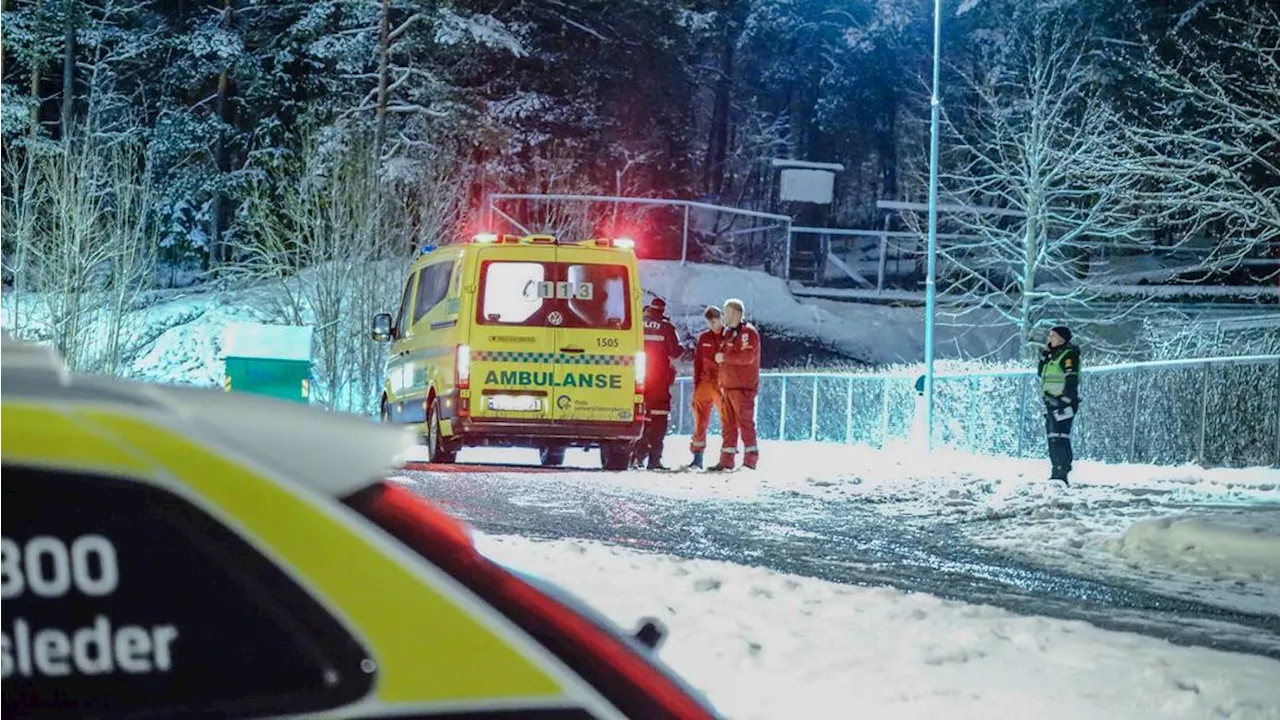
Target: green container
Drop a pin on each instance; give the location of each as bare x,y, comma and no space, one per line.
271,360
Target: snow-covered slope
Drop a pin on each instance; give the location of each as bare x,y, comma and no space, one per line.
872,334
178,338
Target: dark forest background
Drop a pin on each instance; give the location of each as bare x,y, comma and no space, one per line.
145,139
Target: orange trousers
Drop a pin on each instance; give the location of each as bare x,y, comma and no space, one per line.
739,421
705,396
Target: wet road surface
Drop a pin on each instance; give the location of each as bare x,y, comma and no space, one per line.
845,541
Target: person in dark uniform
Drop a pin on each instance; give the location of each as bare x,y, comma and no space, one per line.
1059,372
661,346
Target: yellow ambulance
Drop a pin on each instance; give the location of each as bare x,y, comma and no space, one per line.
519,341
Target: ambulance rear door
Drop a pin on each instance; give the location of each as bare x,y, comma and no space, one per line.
512,343
597,335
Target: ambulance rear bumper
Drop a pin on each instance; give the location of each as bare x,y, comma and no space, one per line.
522,433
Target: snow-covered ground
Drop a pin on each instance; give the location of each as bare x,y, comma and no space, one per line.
764,645
1206,534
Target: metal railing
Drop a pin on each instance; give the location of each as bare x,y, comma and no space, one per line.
1216,412
775,221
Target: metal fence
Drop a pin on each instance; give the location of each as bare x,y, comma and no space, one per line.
1219,412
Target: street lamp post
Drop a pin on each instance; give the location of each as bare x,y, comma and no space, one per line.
930,285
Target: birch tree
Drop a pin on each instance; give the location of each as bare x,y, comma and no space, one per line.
21,223
87,254
1038,165
128,229
328,248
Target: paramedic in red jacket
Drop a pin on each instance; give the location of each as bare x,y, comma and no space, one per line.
739,371
661,346
706,383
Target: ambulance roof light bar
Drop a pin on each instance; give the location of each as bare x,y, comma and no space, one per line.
622,243
485,237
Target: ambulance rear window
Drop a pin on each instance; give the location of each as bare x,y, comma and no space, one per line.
548,294
513,293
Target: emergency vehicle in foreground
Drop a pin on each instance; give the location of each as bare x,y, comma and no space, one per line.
183,553
519,341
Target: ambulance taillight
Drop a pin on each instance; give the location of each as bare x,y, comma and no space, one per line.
641,367
462,379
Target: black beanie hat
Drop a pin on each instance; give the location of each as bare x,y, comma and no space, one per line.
1063,331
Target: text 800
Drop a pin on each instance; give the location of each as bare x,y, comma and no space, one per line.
48,568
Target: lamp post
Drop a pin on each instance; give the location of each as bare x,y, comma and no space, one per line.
930,289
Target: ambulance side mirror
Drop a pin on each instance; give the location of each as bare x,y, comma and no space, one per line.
381,330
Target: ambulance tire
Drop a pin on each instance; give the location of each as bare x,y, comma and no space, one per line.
551,456
615,455
441,451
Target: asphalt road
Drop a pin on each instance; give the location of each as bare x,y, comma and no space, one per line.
842,541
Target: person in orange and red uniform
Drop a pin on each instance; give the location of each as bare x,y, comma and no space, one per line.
739,374
706,383
661,346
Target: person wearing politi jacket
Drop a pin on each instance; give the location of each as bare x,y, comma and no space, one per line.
706,383
739,373
661,346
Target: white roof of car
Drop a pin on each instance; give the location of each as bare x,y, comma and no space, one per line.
330,452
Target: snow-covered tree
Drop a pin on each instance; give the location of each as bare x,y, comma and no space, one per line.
1037,178
1210,126
327,250
79,241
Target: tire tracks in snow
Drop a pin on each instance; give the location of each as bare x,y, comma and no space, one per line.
845,541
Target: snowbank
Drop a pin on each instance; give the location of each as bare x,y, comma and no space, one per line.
761,644
1236,545
873,334
185,340
689,289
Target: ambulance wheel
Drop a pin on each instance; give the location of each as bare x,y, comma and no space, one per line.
551,456
441,452
615,456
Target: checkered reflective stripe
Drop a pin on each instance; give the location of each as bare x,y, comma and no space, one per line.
542,358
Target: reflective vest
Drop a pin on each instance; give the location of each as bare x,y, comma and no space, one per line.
1053,379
